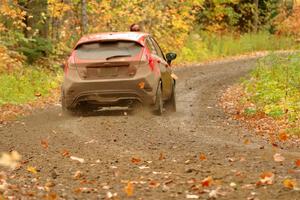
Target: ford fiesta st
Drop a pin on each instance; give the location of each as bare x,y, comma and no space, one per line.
113,69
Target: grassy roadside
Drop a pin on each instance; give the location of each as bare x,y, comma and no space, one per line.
203,46
269,100
28,88
27,84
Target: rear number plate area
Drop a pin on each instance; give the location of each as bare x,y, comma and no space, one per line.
107,72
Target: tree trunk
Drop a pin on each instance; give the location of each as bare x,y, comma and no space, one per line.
84,19
256,16
36,8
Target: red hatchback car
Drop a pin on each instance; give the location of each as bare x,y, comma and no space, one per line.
118,69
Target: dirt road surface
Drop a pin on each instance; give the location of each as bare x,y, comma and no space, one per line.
163,157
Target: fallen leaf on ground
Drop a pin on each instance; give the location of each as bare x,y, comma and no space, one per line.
291,171
135,160
49,184
202,157
38,94
207,182
106,187
65,153
128,189
192,196
246,141
51,196
213,194
15,155
161,156
32,169
110,195
266,178
45,144
3,186
10,160
290,183
297,163
233,184
77,175
278,157
144,167
91,141
153,184
3,175
283,137
187,162
81,160
242,159
165,188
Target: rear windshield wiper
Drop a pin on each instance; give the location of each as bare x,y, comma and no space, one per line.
116,56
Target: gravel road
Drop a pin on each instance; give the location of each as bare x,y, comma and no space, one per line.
163,157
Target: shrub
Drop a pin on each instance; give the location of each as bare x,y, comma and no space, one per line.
274,86
35,48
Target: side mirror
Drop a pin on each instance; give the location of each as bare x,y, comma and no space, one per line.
170,57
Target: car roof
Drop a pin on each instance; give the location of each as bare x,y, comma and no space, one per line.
131,36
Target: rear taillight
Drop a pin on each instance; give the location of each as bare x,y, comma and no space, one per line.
148,58
151,62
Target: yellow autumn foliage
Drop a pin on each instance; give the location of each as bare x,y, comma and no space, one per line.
10,60
9,11
289,23
168,21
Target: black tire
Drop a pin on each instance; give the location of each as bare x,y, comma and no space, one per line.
159,104
172,101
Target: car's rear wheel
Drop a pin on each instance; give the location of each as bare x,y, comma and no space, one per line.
171,104
159,104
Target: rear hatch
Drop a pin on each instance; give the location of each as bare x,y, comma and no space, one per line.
107,59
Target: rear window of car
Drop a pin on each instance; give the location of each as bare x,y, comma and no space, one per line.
107,49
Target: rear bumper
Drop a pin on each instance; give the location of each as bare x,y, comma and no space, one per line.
110,92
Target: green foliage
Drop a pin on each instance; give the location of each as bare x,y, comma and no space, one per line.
35,48
204,46
22,86
218,15
250,111
238,15
294,131
275,86
194,50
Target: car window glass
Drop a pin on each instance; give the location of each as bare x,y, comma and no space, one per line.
157,48
105,49
150,46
